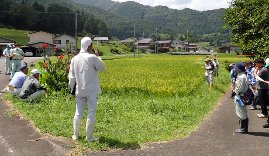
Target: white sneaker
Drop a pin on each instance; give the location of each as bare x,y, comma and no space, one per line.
261,115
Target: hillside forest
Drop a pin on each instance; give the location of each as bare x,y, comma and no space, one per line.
55,19
58,16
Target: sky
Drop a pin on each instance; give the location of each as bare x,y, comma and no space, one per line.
200,5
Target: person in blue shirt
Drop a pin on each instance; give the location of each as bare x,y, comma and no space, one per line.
252,81
17,81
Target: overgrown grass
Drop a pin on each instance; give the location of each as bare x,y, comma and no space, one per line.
155,98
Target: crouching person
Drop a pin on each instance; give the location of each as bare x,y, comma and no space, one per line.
17,81
31,89
241,86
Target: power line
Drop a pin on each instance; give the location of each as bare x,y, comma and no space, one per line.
46,12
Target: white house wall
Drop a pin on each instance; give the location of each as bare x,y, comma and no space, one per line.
63,39
41,37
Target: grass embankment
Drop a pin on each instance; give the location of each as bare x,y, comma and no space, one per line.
161,97
18,35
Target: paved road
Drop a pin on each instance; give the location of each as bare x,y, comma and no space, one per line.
18,137
213,137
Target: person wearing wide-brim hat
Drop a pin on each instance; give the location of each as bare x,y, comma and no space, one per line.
241,86
209,67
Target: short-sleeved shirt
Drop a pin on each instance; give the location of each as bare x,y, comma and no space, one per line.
18,79
263,74
17,51
30,86
7,52
250,75
216,63
210,68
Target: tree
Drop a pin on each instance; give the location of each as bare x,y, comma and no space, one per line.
70,47
190,38
24,16
152,46
249,21
102,29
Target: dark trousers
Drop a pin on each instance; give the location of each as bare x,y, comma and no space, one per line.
262,94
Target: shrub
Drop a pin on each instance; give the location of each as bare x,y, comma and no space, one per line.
56,72
114,50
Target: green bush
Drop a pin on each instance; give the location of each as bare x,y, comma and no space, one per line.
114,50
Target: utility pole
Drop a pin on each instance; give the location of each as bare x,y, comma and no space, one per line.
76,31
134,40
156,46
187,35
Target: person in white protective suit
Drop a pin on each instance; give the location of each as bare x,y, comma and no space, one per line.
83,77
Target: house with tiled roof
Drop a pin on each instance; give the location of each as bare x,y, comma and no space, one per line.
144,43
5,41
101,39
38,39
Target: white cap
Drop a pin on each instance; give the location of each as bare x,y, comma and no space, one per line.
85,42
35,71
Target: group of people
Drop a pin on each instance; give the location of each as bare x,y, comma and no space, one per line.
13,56
26,88
212,69
83,80
250,76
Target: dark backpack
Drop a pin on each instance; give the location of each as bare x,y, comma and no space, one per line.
212,65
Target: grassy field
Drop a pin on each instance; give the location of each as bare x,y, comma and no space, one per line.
18,35
153,98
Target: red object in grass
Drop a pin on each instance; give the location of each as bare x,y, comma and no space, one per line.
68,67
46,65
61,57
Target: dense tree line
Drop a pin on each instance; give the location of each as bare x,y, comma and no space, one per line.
249,23
53,19
122,23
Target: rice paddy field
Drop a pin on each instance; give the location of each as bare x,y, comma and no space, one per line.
149,99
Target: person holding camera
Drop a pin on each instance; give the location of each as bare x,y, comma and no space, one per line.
8,59
83,76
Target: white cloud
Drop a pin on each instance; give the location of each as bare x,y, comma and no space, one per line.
200,5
